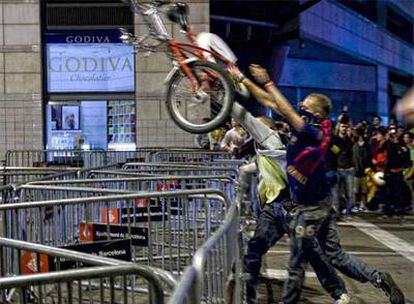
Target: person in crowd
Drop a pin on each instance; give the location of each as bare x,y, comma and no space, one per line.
361,158
389,157
307,182
348,264
216,136
202,141
376,123
234,138
392,121
342,148
273,191
408,141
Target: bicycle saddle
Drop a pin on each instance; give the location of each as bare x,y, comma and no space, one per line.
178,13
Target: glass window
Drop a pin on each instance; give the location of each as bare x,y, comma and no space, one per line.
106,124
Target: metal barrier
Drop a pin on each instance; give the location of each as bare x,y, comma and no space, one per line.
215,273
97,158
54,158
187,156
150,183
166,228
36,273
13,175
174,169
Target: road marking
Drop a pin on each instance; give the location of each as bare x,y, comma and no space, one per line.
384,237
360,253
389,225
281,274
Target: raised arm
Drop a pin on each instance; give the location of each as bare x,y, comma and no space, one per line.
259,94
278,101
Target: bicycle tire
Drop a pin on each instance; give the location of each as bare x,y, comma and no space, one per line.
226,104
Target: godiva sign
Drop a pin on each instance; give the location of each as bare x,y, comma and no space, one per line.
88,61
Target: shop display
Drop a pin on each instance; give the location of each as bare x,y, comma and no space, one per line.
121,122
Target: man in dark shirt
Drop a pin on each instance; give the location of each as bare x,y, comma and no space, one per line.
307,182
397,160
309,189
361,157
342,148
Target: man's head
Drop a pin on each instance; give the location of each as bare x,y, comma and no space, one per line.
408,138
342,128
392,121
392,133
379,135
318,104
376,121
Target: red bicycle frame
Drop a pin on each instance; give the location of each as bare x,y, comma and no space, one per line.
182,51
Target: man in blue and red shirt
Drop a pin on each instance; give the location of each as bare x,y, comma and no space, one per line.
312,223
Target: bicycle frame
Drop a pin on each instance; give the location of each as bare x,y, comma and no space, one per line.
183,53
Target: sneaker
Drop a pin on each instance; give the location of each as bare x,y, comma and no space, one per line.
391,289
355,210
344,299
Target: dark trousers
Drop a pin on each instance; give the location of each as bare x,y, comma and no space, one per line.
271,226
304,228
398,194
349,265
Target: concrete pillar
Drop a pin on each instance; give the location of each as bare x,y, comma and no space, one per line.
20,76
382,92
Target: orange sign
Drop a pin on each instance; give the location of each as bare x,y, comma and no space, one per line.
141,202
111,214
85,233
29,264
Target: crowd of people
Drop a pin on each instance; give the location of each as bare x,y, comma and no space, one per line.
309,172
366,161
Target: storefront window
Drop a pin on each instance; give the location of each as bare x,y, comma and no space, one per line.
97,63
108,125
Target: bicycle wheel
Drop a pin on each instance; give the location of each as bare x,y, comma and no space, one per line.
205,110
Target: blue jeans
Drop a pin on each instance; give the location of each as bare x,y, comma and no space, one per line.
346,180
349,265
271,226
304,228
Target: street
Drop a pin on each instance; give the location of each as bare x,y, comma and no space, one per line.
385,243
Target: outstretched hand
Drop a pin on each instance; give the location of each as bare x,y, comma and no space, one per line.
237,75
259,73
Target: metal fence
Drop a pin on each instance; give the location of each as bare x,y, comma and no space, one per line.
166,228
167,208
33,273
149,183
97,158
214,275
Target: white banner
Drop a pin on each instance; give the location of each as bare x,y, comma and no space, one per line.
98,67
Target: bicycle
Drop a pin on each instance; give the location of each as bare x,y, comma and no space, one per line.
197,83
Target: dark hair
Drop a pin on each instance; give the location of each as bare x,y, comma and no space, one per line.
381,130
410,135
360,131
377,116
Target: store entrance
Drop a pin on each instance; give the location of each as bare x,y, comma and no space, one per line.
91,124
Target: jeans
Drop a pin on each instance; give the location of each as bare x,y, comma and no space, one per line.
349,265
304,228
271,226
346,180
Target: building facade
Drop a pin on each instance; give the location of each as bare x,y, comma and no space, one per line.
360,53
66,81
